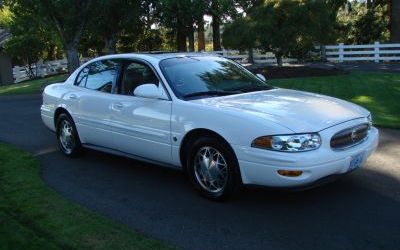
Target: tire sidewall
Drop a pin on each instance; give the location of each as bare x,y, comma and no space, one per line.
234,180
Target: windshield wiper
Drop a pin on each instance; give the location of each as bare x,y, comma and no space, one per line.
255,88
212,93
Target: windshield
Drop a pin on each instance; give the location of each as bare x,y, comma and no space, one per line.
199,77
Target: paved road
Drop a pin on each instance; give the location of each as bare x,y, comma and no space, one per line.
359,211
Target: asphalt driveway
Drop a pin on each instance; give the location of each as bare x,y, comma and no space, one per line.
359,211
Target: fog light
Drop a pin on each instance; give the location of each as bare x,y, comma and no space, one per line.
290,173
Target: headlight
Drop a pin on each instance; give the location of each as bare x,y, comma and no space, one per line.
370,120
288,143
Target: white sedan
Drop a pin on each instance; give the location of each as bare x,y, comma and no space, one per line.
209,116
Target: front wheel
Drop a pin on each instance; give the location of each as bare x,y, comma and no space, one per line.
213,169
67,136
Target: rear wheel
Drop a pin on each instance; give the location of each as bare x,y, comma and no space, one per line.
213,169
67,136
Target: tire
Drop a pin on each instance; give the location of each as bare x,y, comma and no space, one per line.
67,136
213,169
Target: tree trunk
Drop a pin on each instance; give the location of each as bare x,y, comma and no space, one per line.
181,36
201,43
395,21
51,52
323,53
110,46
216,33
279,59
72,57
251,55
191,38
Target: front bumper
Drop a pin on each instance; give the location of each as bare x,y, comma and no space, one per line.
259,166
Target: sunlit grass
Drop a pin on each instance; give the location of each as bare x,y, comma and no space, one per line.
30,87
377,92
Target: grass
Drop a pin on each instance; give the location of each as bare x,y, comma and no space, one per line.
30,87
378,92
32,216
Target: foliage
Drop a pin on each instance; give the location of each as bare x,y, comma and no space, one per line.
27,43
5,16
284,27
242,35
360,24
112,18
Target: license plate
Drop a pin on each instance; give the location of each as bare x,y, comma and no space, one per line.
356,161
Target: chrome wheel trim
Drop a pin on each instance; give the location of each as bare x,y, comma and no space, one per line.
210,169
66,137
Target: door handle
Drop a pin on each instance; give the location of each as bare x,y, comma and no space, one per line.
118,106
72,97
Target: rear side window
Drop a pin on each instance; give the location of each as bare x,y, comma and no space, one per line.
100,75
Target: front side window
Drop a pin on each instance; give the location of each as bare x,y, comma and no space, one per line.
100,75
134,75
197,77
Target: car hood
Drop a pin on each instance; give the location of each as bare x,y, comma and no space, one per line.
299,111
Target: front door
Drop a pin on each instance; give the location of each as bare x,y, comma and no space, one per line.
141,125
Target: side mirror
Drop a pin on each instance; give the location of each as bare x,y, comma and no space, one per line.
150,90
262,77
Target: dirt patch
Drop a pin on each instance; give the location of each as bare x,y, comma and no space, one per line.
273,72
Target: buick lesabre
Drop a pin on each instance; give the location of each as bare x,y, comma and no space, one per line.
209,116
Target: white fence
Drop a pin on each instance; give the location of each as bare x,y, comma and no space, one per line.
376,52
259,57
42,69
60,66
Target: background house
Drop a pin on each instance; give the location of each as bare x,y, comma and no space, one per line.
6,73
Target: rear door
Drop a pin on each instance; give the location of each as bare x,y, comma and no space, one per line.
94,103
142,126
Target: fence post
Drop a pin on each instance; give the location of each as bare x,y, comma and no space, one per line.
376,52
341,52
322,49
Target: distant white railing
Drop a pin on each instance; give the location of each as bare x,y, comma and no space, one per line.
49,68
43,69
376,52
258,56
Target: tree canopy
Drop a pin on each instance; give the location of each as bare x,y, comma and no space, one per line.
75,28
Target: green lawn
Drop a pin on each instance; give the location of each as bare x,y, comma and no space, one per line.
30,87
33,216
378,92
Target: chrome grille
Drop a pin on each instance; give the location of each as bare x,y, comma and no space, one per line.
350,136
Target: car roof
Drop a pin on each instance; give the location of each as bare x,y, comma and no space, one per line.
157,56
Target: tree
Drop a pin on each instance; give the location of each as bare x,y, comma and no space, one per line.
177,16
68,18
199,9
363,23
28,40
395,21
283,27
241,35
114,17
220,10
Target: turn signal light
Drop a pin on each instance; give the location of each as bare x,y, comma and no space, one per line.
290,173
